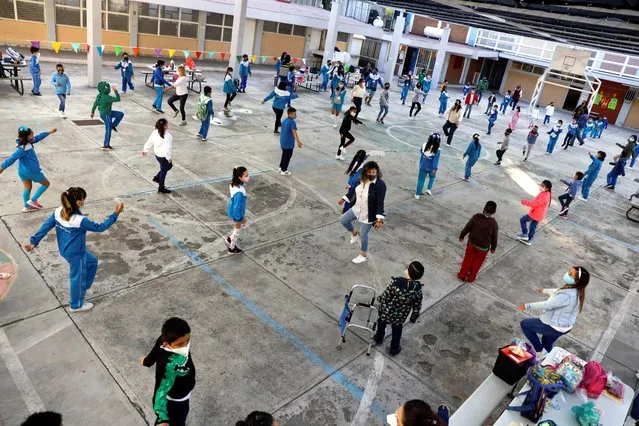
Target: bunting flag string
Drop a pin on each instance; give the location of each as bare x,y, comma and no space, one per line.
136,51
117,50
88,48
75,47
295,60
198,54
35,43
158,51
56,46
223,55
239,58
275,58
186,53
263,59
254,58
100,50
171,53
211,54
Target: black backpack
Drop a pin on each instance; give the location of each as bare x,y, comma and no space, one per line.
535,402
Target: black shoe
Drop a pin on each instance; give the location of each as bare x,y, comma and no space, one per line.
115,129
276,132
228,240
156,179
376,343
109,147
234,250
393,353
164,191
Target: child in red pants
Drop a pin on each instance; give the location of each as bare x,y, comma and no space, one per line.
482,232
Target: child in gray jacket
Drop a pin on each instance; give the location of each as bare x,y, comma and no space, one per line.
383,103
504,146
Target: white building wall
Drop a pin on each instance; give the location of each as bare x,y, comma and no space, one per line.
249,37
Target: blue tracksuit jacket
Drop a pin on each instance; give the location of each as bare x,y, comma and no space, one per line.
28,160
126,69
34,65
472,152
245,69
229,87
237,203
428,164
573,187
71,234
158,78
335,81
282,98
593,170
62,83
493,116
426,84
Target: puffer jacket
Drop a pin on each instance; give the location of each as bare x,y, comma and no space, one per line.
398,300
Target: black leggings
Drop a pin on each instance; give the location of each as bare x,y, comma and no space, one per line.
278,117
229,99
449,130
343,143
174,97
500,153
413,105
358,105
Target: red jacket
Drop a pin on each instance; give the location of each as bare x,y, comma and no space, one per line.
471,98
538,206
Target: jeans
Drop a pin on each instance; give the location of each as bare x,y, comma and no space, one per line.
491,123
229,99
165,166
489,107
467,110
473,260
565,200
63,101
469,166
286,159
413,106
396,336
502,107
523,221
347,220
421,178
546,119
358,104
611,178
37,81
442,107
177,411
159,93
110,121
500,154
449,130
383,110
343,143
243,80
551,145
533,327
204,128
82,274
514,103
174,97
126,81
479,96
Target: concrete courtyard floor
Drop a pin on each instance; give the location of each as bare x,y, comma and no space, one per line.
265,323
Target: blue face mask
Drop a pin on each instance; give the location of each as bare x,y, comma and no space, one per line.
568,279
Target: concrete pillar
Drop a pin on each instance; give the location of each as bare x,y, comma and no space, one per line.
464,74
94,39
389,66
237,35
502,86
134,11
201,31
49,18
444,69
257,40
441,57
307,43
331,33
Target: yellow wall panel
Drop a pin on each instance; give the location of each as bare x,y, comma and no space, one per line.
20,32
632,119
151,41
274,44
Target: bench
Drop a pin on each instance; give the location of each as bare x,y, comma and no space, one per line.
193,79
311,82
633,212
146,78
17,83
476,409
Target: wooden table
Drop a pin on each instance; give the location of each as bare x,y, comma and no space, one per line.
191,74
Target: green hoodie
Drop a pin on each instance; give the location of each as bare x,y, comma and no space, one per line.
104,101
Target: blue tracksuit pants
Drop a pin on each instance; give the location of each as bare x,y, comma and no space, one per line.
421,178
469,166
324,85
243,81
82,274
612,177
204,128
585,187
442,106
159,93
36,83
551,145
491,123
502,107
126,82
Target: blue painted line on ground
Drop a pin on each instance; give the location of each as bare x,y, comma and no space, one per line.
606,237
280,329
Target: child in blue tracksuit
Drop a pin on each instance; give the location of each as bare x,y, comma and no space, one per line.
126,72
324,71
71,232
571,133
229,88
492,118
604,123
571,193
338,76
505,102
34,70
159,83
466,88
443,102
337,100
237,206
588,131
554,135
591,173
280,97
617,170
372,81
408,85
354,171
428,164
290,82
205,104
426,87
634,157
62,85
245,72
29,170
472,152
531,140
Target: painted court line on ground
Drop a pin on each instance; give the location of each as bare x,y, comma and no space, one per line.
369,391
280,329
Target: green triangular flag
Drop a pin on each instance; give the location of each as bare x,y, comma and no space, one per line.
75,47
239,58
117,50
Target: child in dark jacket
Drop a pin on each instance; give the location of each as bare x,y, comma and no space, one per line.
617,170
174,372
403,295
531,139
571,193
482,231
345,131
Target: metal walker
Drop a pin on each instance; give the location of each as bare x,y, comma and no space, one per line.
355,301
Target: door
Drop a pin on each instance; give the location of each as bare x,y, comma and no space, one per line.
494,71
410,60
572,100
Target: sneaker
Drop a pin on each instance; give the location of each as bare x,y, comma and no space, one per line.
359,259
340,157
175,113
157,111
160,111
526,241
447,145
104,147
564,210
115,129
637,375
37,94
525,159
466,180
109,147
428,192
228,240
29,209
276,132
498,163
394,353
344,151
564,216
156,179
381,121
523,237
164,191
416,197
354,238
34,204
541,355
182,123
547,153
285,173
234,250
86,307
60,114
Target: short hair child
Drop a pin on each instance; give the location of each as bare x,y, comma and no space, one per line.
579,175
415,270
490,208
33,50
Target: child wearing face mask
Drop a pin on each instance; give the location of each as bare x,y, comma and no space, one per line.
538,208
62,85
126,70
174,372
554,135
337,98
34,69
345,132
161,141
237,206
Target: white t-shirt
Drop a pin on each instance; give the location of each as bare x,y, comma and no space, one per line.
162,146
181,86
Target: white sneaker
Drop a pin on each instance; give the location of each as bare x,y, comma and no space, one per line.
416,197
428,192
182,123
354,239
340,157
359,259
344,151
285,173
86,307
637,375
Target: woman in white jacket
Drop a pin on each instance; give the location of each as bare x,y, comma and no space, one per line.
181,93
162,143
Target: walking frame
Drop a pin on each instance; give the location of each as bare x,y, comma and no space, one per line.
355,301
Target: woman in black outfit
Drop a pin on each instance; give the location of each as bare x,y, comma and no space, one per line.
345,131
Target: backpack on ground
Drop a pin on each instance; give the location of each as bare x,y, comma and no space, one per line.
201,109
536,397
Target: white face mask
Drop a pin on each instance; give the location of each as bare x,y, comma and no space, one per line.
184,351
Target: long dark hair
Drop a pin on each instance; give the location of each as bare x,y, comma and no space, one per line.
369,166
257,418
456,106
476,140
159,63
433,143
282,56
238,172
70,199
357,161
548,184
23,136
419,413
160,126
583,278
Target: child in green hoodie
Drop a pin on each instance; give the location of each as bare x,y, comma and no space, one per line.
104,102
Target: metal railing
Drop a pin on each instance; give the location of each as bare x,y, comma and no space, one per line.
313,3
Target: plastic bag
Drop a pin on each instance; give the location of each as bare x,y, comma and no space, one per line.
587,414
572,372
614,386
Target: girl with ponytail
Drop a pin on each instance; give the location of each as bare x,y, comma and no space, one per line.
237,206
536,213
354,171
472,152
418,413
71,232
559,311
258,418
428,164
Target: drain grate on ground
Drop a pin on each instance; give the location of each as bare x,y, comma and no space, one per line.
88,122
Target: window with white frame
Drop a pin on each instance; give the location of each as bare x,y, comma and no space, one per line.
522,66
286,29
219,27
167,21
71,12
23,10
115,15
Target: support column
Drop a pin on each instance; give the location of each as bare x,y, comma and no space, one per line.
389,66
464,74
237,36
94,39
257,40
331,33
502,86
134,10
49,18
441,57
201,31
